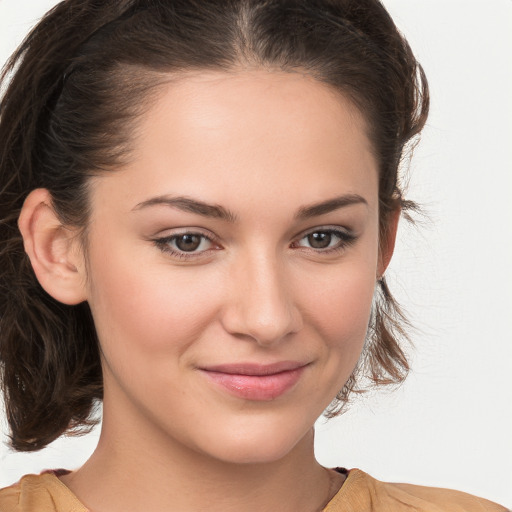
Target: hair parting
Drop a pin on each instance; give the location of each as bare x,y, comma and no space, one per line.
74,90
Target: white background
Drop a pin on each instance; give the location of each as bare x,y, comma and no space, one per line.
450,424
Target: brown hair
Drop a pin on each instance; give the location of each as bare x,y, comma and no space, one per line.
75,84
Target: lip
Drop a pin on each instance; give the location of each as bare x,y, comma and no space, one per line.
255,381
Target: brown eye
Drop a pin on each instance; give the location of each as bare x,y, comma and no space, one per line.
188,242
319,239
326,240
185,245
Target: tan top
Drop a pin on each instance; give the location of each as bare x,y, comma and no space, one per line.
359,493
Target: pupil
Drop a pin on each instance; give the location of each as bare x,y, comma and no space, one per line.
188,242
319,240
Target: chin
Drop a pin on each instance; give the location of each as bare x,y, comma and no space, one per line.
253,445
250,453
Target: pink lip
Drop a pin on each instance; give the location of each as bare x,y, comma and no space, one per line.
255,381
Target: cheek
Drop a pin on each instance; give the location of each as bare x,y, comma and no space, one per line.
339,312
346,308
145,310
340,299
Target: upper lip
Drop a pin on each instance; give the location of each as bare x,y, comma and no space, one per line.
255,369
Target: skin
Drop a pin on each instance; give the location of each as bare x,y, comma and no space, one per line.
263,145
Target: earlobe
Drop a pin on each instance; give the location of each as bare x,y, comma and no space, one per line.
387,242
53,249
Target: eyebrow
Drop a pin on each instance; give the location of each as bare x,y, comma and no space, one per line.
188,204
316,209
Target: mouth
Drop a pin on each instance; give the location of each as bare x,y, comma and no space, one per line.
255,381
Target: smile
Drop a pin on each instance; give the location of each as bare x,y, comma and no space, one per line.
256,382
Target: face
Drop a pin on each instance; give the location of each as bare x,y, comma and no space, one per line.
231,264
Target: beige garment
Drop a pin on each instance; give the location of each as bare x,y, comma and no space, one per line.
359,493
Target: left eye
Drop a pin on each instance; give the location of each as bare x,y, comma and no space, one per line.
325,239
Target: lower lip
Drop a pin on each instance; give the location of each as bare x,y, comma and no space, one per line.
256,387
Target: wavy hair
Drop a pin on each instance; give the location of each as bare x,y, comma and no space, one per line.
72,91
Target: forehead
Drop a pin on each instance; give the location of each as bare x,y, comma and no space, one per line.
221,135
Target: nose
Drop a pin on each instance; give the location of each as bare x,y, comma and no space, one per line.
261,303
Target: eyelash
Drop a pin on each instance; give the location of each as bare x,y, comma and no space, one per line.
345,240
164,245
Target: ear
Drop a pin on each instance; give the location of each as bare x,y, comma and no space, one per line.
54,249
387,242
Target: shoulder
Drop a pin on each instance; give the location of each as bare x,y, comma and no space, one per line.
41,493
363,492
443,499
10,498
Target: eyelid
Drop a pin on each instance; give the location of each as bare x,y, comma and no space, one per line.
186,230
347,237
345,232
163,241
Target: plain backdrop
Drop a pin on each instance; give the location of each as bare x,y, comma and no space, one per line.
450,424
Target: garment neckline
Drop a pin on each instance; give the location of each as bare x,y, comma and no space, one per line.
351,476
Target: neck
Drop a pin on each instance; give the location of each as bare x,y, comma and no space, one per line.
158,473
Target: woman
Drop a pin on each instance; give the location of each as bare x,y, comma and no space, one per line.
207,196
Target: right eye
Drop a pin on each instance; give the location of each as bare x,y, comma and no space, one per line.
185,245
